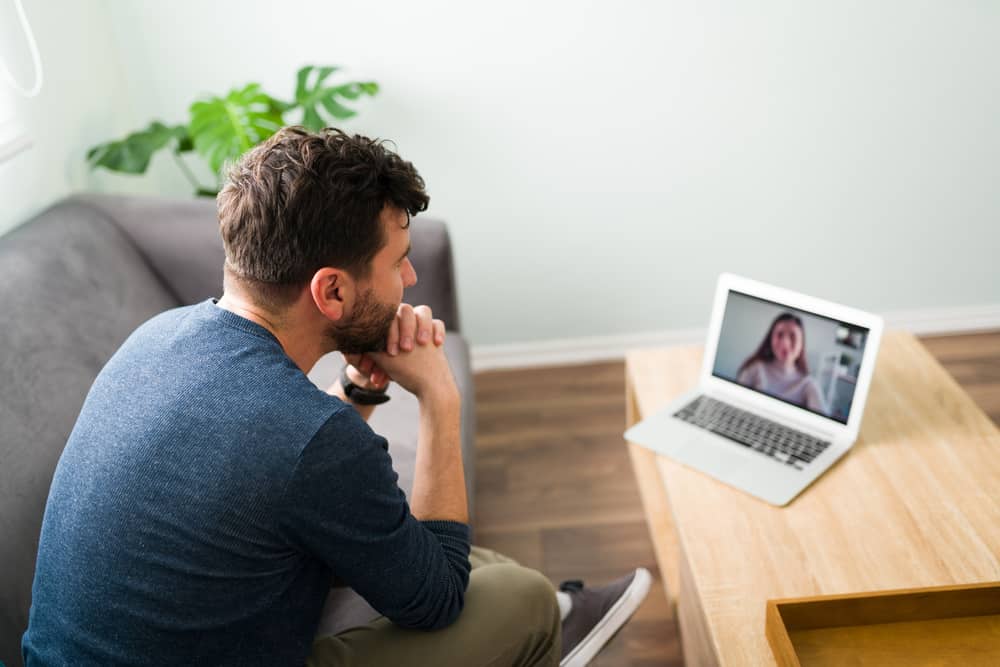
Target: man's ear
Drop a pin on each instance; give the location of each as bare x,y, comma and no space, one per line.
332,291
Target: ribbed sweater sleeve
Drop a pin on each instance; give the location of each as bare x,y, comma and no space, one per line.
343,505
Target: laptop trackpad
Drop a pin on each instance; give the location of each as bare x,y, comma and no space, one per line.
703,454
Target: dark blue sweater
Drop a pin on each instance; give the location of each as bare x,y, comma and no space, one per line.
208,494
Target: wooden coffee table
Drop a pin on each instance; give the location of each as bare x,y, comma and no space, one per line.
915,503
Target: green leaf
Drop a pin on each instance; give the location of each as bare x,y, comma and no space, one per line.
335,109
281,105
313,96
223,128
350,91
302,77
132,154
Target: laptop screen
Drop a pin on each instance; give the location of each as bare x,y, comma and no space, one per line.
798,357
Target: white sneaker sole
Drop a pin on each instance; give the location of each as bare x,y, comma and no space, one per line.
621,611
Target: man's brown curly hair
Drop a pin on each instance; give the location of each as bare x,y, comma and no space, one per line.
301,201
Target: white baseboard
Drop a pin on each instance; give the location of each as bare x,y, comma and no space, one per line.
568,351
931,321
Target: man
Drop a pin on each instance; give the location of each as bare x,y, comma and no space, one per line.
210,494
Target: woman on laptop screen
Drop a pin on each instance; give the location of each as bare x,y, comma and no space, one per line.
779,368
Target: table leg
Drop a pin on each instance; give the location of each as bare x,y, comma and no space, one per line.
696,642
657,509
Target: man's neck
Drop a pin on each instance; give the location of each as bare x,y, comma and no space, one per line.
301,348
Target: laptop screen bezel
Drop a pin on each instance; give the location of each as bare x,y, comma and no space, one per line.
797,311
794,300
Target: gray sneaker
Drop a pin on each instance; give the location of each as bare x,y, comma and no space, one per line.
597,614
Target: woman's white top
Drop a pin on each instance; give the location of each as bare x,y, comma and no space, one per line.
793,386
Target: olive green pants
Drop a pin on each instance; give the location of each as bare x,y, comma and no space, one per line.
510,618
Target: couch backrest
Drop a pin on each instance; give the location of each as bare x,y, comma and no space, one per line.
180,240
432,259
72,288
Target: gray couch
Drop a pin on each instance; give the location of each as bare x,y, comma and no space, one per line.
75,281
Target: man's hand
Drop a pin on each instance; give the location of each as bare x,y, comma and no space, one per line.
412,326
424,372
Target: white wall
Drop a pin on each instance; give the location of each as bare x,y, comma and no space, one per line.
82,103
601,163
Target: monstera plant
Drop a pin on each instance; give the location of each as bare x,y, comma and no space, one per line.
220,129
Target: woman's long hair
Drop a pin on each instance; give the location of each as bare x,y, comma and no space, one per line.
765,353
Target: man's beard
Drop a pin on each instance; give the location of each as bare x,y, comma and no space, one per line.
368,327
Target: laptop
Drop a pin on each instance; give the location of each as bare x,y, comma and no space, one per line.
781,392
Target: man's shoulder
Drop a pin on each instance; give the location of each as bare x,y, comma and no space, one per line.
159,327
185,371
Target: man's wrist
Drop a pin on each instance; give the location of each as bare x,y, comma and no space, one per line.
357,378
361,393
443,394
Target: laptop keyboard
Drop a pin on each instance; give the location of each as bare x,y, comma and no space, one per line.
781,443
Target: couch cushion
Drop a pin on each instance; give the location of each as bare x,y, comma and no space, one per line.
73,288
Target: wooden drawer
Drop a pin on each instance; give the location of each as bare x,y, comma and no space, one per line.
946,625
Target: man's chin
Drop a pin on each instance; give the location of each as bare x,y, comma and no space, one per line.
357,341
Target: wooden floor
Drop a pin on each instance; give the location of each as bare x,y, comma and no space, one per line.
555,489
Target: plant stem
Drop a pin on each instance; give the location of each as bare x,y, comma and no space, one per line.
187,172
